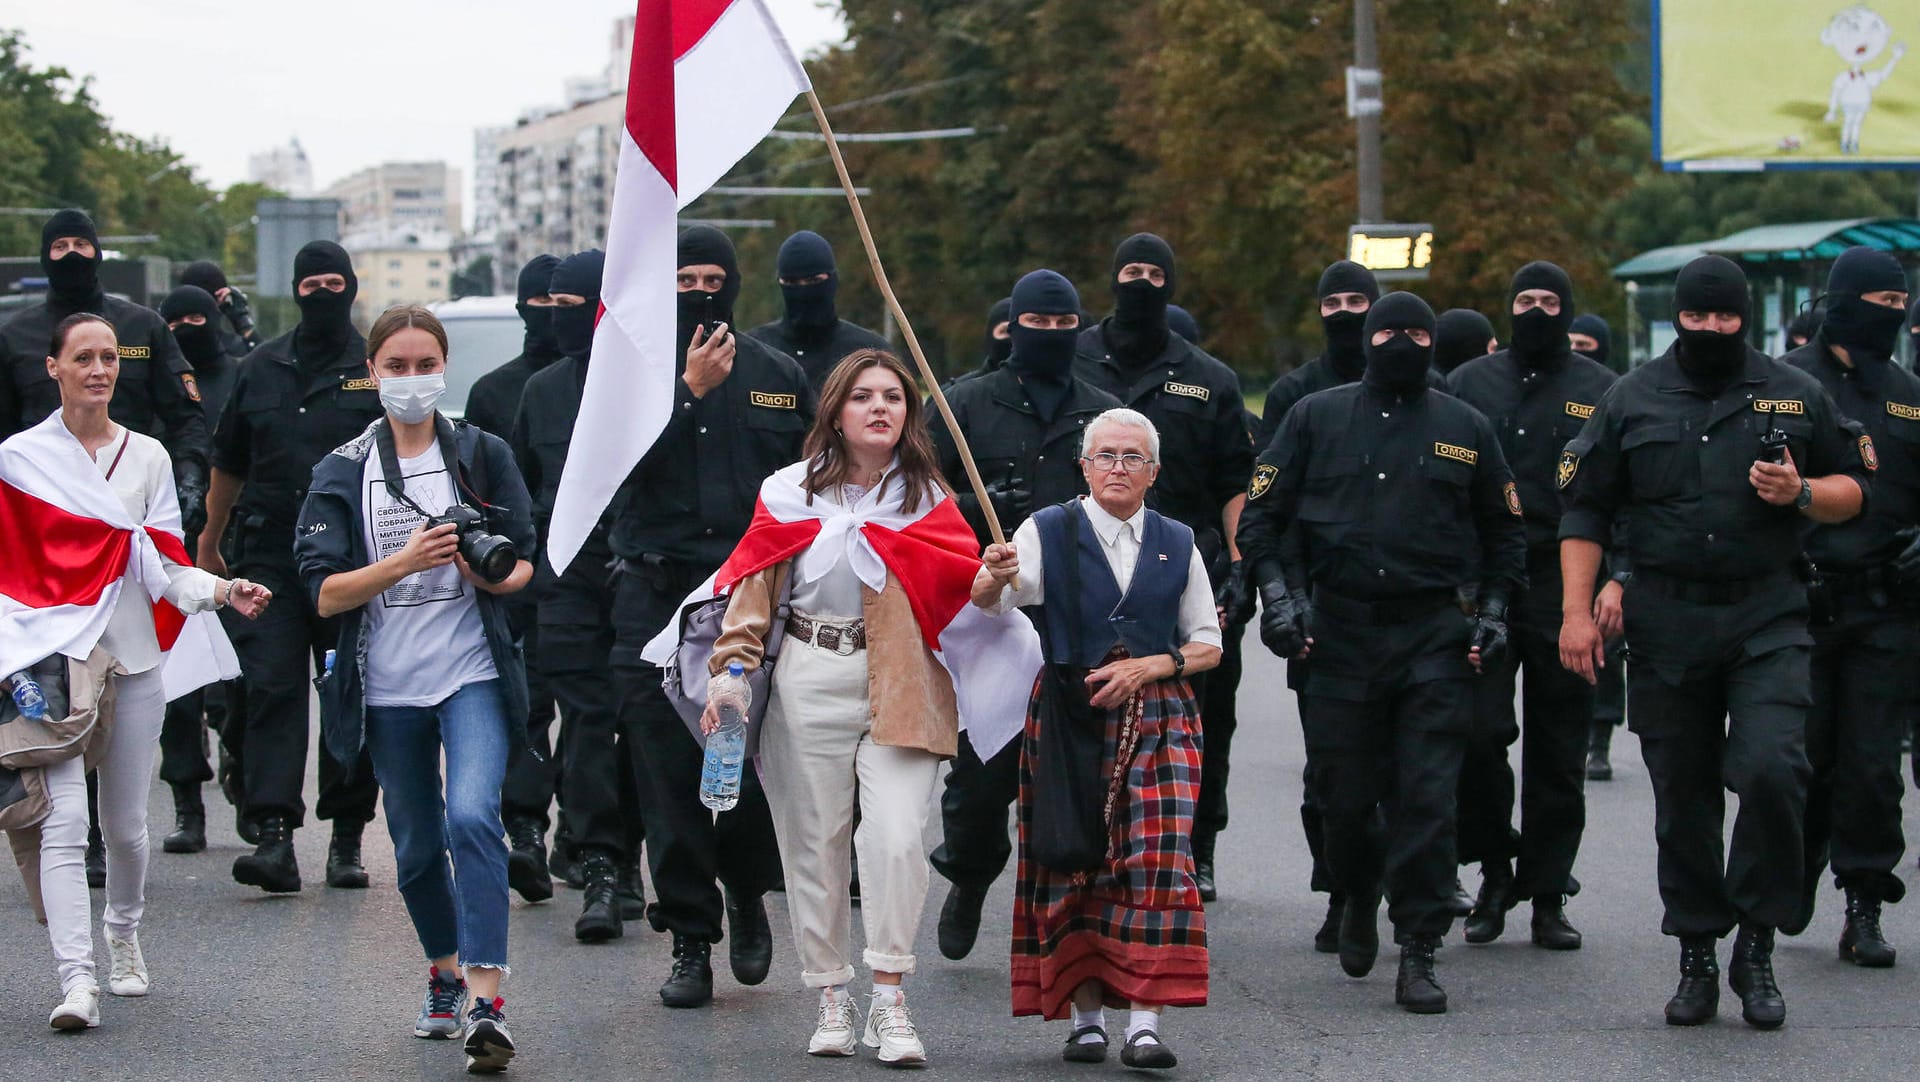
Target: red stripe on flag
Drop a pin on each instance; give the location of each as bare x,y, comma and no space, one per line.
72,559
935,558
691,21
766,542
663,32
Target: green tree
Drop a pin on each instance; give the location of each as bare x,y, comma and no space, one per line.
473,280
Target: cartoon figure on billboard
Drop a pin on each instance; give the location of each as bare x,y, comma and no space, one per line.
1859,35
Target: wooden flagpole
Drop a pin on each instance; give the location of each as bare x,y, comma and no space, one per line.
906,328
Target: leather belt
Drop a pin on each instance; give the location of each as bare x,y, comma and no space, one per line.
1710,591
842,639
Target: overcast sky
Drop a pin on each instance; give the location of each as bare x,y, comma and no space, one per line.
358,81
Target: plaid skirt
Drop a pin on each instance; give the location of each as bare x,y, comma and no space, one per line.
1136,924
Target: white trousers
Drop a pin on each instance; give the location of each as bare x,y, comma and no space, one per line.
126,777
815,751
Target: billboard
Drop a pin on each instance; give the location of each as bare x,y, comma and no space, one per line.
1786,84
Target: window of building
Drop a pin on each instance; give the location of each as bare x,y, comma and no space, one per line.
393,283
433,283
433,264
393,264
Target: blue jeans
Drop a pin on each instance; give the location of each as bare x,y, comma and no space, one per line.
406,742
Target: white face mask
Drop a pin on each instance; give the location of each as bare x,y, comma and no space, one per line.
410,399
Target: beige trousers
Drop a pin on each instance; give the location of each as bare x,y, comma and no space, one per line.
815,752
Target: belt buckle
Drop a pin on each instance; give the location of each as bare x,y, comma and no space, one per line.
843,643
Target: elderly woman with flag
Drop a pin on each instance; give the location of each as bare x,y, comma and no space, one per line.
1106,911
883,659
96,562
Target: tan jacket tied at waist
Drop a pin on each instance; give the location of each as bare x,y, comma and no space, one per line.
909,694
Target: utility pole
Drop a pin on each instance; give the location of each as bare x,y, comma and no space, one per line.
1363,105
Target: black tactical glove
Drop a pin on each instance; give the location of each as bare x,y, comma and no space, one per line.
1012,501
1906,566
1490,629
1284,620
1234,597
240,314
190,484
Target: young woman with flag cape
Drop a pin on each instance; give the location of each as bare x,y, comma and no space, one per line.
884,660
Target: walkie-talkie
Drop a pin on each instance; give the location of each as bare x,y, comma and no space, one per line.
1773,445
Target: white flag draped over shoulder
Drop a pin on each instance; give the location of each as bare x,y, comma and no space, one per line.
708,81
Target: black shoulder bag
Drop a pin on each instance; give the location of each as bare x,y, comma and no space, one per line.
1068,824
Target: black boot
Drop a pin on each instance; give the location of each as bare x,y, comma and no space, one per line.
629,893
96,857
1415,988
1360,935
960,920
1489,916
1599,748
527,859
1462,903
1327,939
749,938
271,866
563,862
1551,929
600,915
1860,940
344,870
1697,999
189,821
691,982
1203,865
1750,975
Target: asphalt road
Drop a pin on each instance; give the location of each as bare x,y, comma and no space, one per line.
325,984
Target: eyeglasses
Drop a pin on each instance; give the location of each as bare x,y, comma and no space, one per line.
1107,460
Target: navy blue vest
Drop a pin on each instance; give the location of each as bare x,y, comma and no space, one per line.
1146,619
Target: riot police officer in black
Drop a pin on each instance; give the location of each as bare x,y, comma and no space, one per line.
740,411
812,331
1023,422
1402,498
294,400
1702,450
1538,393
1862,619
239,337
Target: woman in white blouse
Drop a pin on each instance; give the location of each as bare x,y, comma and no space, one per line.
84,361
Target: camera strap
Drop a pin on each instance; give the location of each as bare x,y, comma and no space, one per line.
390,463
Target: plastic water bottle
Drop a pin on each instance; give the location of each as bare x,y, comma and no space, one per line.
327,669
731,695
27,696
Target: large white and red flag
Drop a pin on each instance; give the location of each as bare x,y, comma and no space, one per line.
932,554
71,549
708,81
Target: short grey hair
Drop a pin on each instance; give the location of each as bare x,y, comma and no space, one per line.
1124,418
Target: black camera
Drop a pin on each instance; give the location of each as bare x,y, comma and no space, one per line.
490,555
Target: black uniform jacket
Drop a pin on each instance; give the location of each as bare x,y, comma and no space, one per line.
279,423
495,397
1884,399
1011,444
818,353
1393,495
1678,458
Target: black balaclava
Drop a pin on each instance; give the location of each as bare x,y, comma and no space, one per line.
1595,328
1913,330
578,274
1539,338
701,245
1138,331
201,344
1346,344
1806,324
1460,335
326,317
536,280
1711,283
1862,328
73,280
998,348
1399,365
810,307
206,274
1181,322
1043,359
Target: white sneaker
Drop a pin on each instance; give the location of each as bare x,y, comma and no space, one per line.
129,975
80,1010
834,1034
890,1029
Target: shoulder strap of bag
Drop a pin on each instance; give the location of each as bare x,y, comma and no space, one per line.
1069,578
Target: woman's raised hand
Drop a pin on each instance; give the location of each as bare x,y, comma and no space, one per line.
1003,563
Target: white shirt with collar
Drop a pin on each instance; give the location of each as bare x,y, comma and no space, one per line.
1120,544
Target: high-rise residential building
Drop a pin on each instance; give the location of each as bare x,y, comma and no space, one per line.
400,275
283,168
398,204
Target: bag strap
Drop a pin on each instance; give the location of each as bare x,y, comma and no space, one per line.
1069,578
126,437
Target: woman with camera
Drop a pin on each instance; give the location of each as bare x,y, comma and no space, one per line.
95,558
411,534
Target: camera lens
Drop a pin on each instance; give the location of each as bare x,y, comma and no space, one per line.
491,556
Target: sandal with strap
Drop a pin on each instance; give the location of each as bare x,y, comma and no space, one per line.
1155,1056
1078,1051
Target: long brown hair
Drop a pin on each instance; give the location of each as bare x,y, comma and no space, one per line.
826,448
402,317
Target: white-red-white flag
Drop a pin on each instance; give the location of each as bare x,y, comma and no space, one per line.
71,549
709,79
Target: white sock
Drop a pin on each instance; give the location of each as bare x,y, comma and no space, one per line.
887,995
1147,1022
833,993
1083,1019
